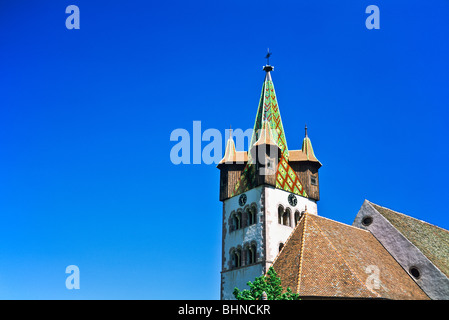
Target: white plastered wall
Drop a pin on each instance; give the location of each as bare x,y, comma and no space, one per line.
267,201
278,233
237,238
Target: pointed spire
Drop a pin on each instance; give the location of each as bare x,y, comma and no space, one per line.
230,153
268,111
268,117
307,148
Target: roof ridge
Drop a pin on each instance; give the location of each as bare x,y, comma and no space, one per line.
344,260
301,250
346,225
425,249
286,241
394,258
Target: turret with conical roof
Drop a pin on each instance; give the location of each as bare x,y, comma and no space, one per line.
231,167
306,166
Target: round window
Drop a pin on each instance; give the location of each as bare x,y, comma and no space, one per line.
414,271
366,221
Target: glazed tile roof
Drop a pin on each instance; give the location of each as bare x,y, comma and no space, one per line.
268,110
431,240
268,117
325,258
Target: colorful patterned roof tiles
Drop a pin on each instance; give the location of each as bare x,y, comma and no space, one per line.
268,110
286,179
268,118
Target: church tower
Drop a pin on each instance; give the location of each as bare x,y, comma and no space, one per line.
264,193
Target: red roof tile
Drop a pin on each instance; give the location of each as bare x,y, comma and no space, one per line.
325,258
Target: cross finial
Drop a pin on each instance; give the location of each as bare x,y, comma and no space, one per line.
230,131
268,68
268,56
306,130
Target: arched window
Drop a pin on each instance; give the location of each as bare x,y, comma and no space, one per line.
280,214
286,218
249,220
236,219
250,216
281,245
236,258
251,254
238,254
233,259
297,216
239,220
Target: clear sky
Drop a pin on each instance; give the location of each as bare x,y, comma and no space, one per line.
86,117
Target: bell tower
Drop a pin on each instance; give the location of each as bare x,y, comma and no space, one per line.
264,193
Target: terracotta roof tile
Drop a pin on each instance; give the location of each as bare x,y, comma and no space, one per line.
325,258
288,260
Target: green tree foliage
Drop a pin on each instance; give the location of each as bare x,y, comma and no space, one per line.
270,284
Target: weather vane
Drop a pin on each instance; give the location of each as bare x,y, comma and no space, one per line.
268,56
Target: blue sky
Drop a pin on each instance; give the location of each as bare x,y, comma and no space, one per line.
86,117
